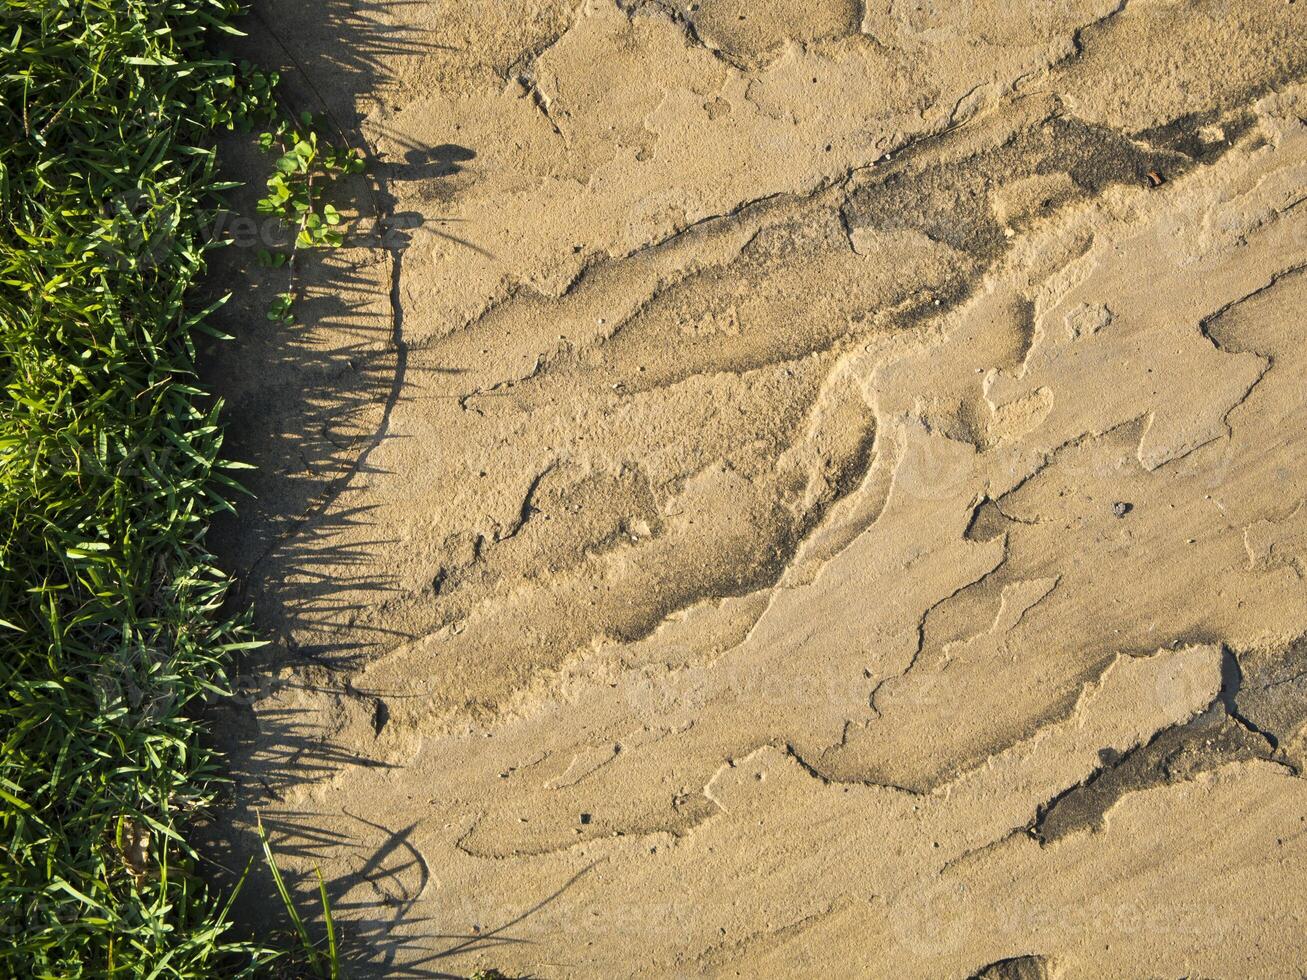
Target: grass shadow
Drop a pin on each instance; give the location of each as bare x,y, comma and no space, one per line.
307,404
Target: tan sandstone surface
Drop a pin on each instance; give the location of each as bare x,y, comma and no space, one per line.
783,488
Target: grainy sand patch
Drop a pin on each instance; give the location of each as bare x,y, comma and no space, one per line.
792,488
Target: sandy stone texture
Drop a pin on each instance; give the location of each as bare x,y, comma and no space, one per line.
787,488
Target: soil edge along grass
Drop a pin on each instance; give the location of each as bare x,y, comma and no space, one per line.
111,630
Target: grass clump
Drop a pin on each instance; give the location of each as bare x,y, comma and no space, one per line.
110,470
306,168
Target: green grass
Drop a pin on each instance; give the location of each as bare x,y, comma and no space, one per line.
323,963
111,631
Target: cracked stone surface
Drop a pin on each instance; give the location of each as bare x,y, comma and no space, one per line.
788,488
